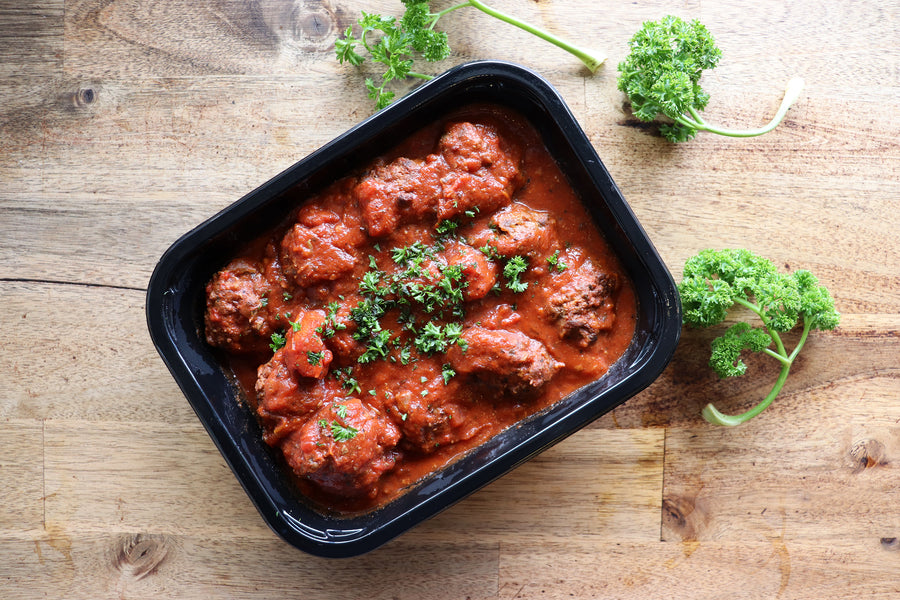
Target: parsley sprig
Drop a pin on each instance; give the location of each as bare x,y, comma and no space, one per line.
396,44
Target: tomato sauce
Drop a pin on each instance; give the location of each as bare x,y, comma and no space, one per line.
413,310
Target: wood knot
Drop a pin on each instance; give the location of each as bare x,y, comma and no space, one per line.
306,25
685,517
866,454
890,543
139,555
84,97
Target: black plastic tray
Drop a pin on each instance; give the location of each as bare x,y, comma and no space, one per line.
175,302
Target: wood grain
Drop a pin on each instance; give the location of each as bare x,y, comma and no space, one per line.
124,123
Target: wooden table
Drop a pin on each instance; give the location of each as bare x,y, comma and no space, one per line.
124,123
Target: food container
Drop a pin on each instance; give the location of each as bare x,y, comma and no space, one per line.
175,304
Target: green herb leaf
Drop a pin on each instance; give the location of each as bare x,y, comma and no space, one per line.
342,433
341,410
278,341
555,262
396,44
447,373
513,269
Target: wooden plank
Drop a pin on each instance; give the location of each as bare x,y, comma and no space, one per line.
600,484
753,193
31,38
95,238
833,478
764,566
766,47
82,352
21,476
98,475
278,36
77,565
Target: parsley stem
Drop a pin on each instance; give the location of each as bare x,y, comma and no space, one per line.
440,14
590,61
711,414
420,75
779,357
807,326
794,87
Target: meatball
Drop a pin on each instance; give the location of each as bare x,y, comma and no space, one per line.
282,397
323,252
344,447
519,230
236,316
580,302
431,413
399,191
472,148
479,273
483,174
507,360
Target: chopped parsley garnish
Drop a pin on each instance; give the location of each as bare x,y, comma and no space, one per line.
287,296
341,410
405,254
447,373
491,252
348,382
351,384
446,227
314,358
263,302
370,283
405,355
556,262
424,282
513,269
434,338
278,341
331,324
377,346
342,433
